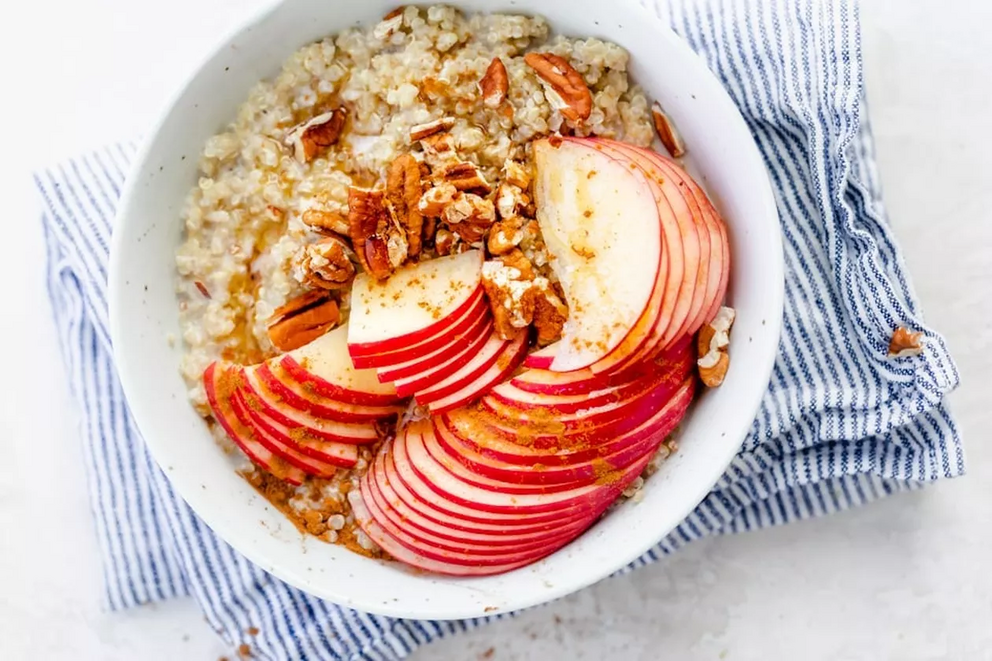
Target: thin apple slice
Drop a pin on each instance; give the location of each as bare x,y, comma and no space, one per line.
325,368
509,357
220,385
300,423
441,353
410,385
398,518
542,358
477,307
319,464
457,517
290,392
416,301
599,220
479,363
410,557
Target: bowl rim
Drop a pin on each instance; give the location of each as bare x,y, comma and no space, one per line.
750,401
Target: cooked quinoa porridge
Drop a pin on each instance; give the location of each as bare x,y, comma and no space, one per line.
372,154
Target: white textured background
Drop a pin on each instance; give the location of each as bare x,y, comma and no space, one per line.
903,579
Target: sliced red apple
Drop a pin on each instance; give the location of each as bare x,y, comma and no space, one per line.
475,367
542,358
414,303
408,386
220,385
291,393
599,220
477,308
322,463
472,387
324,368
442,353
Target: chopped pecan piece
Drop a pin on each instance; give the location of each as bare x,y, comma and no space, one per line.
511,201
519,298
712,346
421,131
315,136
325,264
403,191
494,84
905,343
464,176
302,320
564,88
379,243
433,202
469,216
669,137
504,237
326,221
444,242
439,150
516,174
392,22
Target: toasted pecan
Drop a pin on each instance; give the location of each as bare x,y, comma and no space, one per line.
565,88
403,191
314,136
494,84
302,320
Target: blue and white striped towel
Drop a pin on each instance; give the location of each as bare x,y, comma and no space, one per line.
840,425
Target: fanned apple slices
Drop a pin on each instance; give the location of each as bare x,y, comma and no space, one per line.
521,453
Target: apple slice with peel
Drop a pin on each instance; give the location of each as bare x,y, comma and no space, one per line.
599,220
466,374
473,387
219,387
443,352
291,393
408,386
414,303
542,358
324,368
319,460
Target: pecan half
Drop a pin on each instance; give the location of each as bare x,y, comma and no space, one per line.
665,129
325,221
379,243
494,84
403,191
469,216
712,345
315,136
421,131
325,264
519,298
302,320
464,176
905,343
565,88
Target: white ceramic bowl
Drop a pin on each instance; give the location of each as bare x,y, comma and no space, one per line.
143,310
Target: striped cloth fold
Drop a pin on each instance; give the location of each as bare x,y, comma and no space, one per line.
840,425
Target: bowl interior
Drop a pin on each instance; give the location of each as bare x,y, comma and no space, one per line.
144,314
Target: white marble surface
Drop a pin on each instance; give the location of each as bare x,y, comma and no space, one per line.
902,579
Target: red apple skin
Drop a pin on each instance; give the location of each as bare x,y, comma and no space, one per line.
414,513
409,386
258,399
468,373
287,391
323,388
359,349
456,517
323,464
504,364
400,516
218,397
456,323
438,354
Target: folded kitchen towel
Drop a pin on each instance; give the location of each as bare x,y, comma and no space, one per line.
841,423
